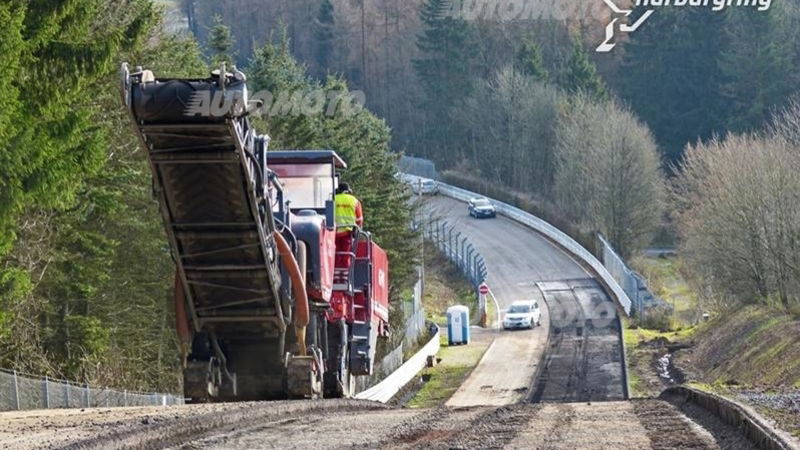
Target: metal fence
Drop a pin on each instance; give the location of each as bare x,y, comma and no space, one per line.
21,392
634,285
458,249
415,319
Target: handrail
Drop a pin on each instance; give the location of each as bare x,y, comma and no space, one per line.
391,385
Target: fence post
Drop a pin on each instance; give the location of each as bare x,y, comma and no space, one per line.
456,253
125,397
46,393
470,261
464,255
87,396
16,392
66,394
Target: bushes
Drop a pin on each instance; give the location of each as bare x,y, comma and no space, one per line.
738,208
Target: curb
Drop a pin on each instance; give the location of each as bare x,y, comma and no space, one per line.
738,416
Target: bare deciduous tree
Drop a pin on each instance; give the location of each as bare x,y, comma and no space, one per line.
608,174
738,203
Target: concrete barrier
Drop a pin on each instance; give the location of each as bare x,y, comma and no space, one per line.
734,414
386,389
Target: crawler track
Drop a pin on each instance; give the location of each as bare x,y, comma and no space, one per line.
584,359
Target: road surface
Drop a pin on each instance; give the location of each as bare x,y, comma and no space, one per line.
644,424
585,360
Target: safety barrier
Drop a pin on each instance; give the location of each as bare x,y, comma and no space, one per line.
389,387
549,231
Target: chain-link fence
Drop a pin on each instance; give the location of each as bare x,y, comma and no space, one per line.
19,392
458,249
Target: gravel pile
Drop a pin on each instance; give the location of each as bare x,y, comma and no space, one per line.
788,401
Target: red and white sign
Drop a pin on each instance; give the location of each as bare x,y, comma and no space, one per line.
483,289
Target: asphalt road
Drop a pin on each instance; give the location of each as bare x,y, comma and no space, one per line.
523,265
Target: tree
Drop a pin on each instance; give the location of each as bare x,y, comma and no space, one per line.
529,60
608,174
757,65
220,43
672,79
447,48
360,138
580,74
512,120
739,215
323,38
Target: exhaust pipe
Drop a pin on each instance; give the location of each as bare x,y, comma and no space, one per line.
301,313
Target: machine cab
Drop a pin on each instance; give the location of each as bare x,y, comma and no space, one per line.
309,186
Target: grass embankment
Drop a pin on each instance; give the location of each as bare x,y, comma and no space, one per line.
748,353
444,380
445,286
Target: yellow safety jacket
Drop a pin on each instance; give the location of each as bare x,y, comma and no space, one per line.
347,212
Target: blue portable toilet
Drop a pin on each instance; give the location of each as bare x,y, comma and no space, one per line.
458,325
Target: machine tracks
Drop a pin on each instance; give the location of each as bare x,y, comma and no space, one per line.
584,360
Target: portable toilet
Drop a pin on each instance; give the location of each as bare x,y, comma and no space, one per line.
458,325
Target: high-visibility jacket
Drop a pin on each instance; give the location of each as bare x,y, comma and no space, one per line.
348,212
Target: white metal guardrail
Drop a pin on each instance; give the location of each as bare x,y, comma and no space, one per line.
386,389
549,231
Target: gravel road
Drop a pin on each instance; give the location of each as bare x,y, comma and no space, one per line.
645,424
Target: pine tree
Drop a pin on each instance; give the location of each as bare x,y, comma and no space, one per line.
529,60
361,138
323,38
672,80
220,43
580,74
445,70
756,64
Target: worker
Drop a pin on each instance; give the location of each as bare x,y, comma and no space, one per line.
348,210
349,216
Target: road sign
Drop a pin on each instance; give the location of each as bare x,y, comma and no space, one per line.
483,289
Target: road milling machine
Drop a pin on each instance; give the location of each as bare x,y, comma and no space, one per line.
266,305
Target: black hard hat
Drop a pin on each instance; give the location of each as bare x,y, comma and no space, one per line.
344,188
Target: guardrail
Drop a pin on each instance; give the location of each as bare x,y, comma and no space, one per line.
389,387
549,231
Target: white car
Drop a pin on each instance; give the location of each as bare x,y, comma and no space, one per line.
523,314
